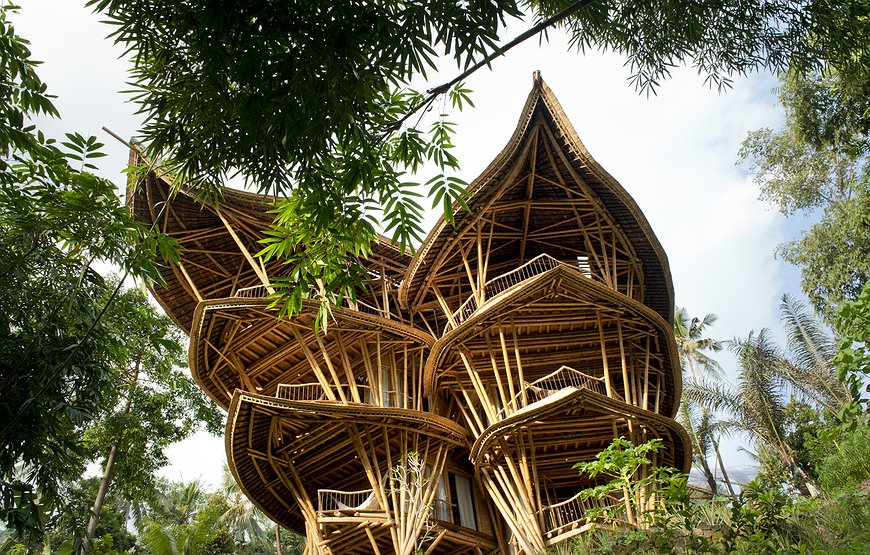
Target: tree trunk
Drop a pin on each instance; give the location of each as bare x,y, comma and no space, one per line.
278,539
696,448
110,463
722,466
708,474
101,495
804,483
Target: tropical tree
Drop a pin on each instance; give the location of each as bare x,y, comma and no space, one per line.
691,344
161,540
819,163
809,367
186,521
756,405
697,419
68,525
58,356
244,520
852,361
311,100
620,464
158,405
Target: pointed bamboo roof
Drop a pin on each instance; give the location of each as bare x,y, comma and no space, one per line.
546,162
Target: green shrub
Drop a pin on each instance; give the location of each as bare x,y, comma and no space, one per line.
848,466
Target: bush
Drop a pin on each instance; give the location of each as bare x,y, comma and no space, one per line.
848,466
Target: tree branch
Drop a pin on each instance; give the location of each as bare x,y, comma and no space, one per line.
434,92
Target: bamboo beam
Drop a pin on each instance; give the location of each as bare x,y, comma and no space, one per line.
325,354
193,288
258,270
348,367
312,361
607,385
479,388
625,381
372,541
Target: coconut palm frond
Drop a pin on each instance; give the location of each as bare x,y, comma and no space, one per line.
714,396
229,486
726,427
157,540
812,386
760,391
691,343
809,343
812,351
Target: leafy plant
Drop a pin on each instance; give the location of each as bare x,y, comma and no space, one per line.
620,464
852,360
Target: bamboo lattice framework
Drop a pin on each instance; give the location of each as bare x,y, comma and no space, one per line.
512,345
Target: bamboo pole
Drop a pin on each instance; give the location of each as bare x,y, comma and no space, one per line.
607,385
331,368
312,361
625,382
256,267
479,388
187,278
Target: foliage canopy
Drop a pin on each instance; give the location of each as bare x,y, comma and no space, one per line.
66,333
820,162
310,99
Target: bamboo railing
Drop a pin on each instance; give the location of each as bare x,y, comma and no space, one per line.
562,378
315,392
255,292
538,265
301,392
260,292
564,514
332,500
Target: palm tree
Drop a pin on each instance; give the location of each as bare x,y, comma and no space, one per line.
757,404
810,364
160,539
691,345
186,501
697,423
244,520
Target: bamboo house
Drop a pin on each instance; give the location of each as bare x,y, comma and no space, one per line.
444,408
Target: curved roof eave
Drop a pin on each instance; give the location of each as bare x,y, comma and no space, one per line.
270,496
246,212
568,398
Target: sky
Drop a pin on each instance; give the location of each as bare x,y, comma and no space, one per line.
674,152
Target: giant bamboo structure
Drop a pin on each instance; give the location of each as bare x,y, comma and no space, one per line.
512,345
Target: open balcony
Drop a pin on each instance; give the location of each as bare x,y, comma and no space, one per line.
316,392
571,516
261,292
347,503
502,283
550,384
